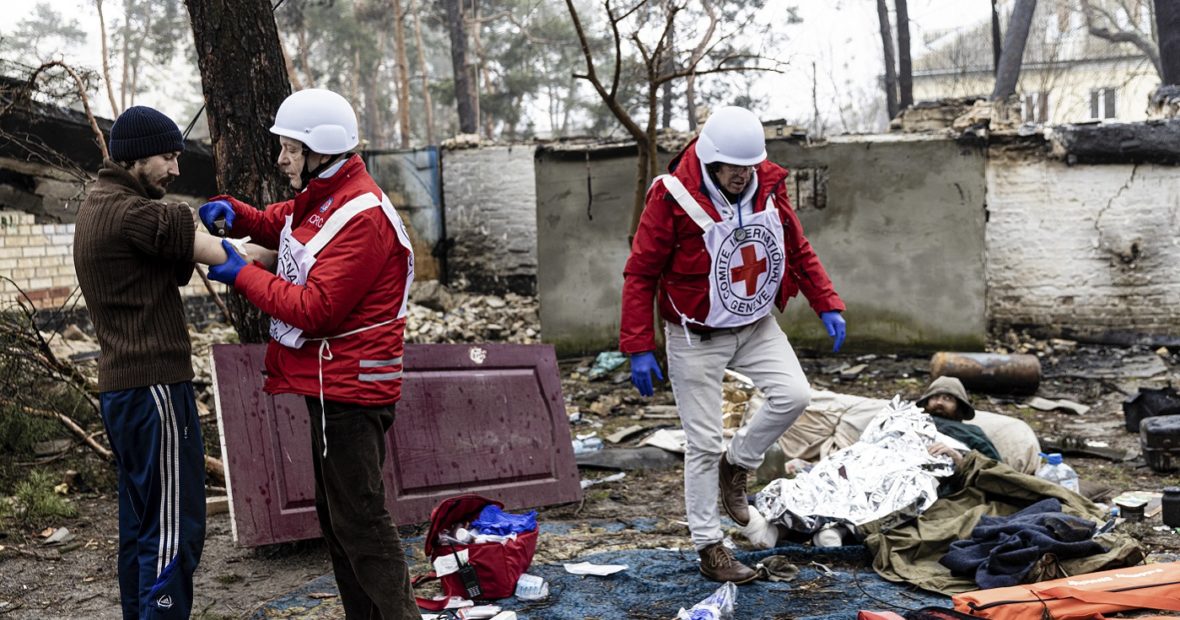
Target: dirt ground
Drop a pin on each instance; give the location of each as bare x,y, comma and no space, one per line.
78,580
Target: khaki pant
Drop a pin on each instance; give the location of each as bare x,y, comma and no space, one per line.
696,369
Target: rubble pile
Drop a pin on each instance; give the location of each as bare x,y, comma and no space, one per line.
203,341
438,315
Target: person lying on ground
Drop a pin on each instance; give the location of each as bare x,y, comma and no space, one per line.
834,421
893,471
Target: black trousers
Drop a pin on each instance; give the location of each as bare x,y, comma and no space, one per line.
367,555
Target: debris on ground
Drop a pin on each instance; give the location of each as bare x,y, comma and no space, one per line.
439,315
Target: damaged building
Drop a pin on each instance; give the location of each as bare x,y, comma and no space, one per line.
935,239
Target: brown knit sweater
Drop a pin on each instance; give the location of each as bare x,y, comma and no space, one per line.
131,255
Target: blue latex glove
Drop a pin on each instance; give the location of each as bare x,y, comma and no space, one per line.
210,212
834,323
642,365
227,272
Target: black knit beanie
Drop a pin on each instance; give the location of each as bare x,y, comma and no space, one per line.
141,132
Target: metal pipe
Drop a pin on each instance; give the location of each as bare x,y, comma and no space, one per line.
990,372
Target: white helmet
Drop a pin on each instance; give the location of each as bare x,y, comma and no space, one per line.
321,119
732,135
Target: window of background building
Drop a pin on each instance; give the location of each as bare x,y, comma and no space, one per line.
1102,103
1034,107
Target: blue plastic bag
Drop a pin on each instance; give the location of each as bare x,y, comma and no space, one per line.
493,520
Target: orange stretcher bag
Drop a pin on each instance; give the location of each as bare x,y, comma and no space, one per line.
1082,597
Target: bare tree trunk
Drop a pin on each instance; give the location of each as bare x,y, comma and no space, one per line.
424,69
817,126
668,68
372,116
690,100
126,55
238,52
996,45
1013,53
905,70
289,66
463,95
106,61
698,52
1167,20
403,73
477,67
355,90
890,64
304,56
137,55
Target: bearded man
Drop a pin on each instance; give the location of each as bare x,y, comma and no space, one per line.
132,253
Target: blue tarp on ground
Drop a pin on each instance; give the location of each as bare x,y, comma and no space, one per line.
660,582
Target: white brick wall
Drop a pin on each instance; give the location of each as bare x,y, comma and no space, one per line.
1087,248
491,211
40,259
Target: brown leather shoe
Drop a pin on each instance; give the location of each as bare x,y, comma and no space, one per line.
718,564
733,491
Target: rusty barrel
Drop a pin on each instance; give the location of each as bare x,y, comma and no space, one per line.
993,373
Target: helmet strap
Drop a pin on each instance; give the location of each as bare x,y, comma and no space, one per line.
712,170
307,175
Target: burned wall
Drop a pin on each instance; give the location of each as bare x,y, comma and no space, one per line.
491,223
897,221
1085,251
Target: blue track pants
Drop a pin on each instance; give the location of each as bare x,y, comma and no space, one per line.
156,438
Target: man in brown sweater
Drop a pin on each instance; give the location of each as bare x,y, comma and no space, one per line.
132,253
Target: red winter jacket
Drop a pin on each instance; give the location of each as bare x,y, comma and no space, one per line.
668,255
359,279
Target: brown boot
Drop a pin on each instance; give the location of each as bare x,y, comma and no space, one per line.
718,564
733,491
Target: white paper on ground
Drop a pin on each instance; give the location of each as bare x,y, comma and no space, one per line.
666,439
600,570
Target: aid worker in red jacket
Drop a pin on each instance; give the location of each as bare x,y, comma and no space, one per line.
717,248
338,303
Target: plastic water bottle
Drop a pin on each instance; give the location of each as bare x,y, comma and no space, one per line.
1055,470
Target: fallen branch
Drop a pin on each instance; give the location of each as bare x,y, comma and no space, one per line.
215,469
69,423
33,554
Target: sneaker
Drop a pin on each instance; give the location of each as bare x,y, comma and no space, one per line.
733,491
718,564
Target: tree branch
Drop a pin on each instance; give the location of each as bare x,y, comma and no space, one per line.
1133,37
98,137
592,76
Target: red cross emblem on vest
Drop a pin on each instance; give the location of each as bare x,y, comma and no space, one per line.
751,268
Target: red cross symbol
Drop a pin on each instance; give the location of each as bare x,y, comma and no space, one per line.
750,269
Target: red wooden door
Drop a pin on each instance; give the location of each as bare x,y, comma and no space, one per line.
487,419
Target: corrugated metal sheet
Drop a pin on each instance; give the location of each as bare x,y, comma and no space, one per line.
488,419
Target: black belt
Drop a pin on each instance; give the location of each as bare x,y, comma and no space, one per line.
707,333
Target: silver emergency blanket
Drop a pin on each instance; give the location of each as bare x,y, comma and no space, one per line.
887,471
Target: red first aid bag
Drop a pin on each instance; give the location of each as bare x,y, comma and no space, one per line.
1081,597
497,566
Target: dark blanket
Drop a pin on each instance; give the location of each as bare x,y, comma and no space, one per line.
1002,550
